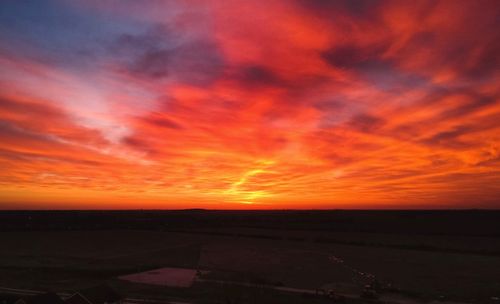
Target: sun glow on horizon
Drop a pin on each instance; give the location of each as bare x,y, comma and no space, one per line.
249,104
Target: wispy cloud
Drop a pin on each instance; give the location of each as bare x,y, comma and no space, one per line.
237,104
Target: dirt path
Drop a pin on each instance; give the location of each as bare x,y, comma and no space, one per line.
63,295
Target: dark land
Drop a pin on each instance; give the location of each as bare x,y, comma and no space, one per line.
256,256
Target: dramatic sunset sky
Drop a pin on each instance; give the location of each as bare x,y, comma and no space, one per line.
249,104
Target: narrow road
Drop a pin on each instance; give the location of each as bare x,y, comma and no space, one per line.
63,295
388,298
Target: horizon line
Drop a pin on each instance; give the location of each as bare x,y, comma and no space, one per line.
247,210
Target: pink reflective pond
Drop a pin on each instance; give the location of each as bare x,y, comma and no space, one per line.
174,277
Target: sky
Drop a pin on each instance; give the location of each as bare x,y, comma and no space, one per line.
237,104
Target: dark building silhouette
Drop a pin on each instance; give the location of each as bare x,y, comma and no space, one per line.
8,298
102,294
46,298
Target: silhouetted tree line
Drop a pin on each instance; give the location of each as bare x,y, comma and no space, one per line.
451,222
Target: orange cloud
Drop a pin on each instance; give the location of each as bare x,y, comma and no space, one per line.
237,104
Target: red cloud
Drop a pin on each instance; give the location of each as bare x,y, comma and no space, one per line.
281,104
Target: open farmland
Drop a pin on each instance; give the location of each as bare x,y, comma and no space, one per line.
69,260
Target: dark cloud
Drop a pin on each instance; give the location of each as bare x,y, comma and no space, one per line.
468,101
406,131
351,7
198,62
493,161
353,56
387,77
488,60
340,160
475,103
44,121
56,33
147,54
257,76
452,138
295,89
162,122
329,105
30,109
152,63
156,37
468,50
368,64
43,156
449,138
153,147
14,133
365,123
161,53
134,141
25,120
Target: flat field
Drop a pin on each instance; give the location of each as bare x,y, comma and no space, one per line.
70,260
